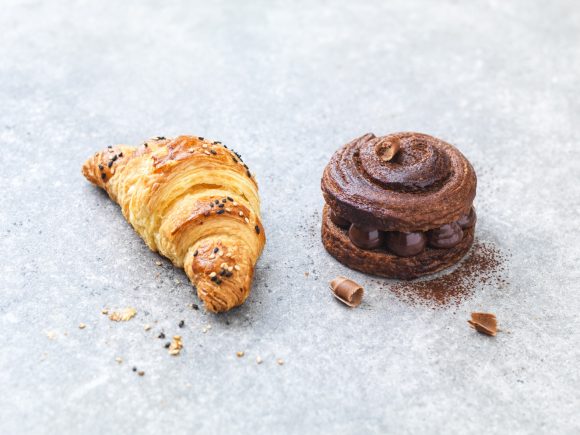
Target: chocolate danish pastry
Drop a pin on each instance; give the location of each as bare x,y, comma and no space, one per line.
399,206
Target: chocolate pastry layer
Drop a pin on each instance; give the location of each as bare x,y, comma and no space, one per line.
399,206
383,262
426,185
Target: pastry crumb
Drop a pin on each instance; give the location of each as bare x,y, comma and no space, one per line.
175,346
123,315
259,360
82,326
105,311
280,361
240,353
119,359
147,327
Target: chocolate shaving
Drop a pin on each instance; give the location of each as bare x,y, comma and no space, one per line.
347,291
387,149
484,323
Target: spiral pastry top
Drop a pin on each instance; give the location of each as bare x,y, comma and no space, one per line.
399,205
428,183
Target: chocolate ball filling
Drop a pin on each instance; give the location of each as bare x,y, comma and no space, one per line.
338,221
446,236
405,244
468,220
365,238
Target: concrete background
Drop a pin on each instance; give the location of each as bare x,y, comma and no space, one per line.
286,84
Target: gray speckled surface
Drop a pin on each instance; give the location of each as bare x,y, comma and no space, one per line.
286,85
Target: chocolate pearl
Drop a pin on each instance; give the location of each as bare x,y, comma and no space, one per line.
446,236
406,244
365,238
338,221
468,220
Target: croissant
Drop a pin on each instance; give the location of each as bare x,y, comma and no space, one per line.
195,202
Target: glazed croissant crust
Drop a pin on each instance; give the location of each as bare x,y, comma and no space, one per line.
195,202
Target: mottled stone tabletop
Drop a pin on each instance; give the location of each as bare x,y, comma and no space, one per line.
286,83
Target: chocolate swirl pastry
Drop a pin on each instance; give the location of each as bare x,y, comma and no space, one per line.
399,206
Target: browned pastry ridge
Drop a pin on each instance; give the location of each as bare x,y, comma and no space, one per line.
405,217
195,202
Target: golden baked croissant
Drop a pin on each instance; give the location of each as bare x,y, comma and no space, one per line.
195,202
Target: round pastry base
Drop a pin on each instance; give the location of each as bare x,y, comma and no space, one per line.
381,262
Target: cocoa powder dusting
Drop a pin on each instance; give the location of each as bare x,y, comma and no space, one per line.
483,266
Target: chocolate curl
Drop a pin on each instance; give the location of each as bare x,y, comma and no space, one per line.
387,149
484,323
347,291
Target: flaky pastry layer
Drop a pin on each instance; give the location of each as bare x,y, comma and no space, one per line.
383,263
195,202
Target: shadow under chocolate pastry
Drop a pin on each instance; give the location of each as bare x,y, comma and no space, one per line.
405,217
